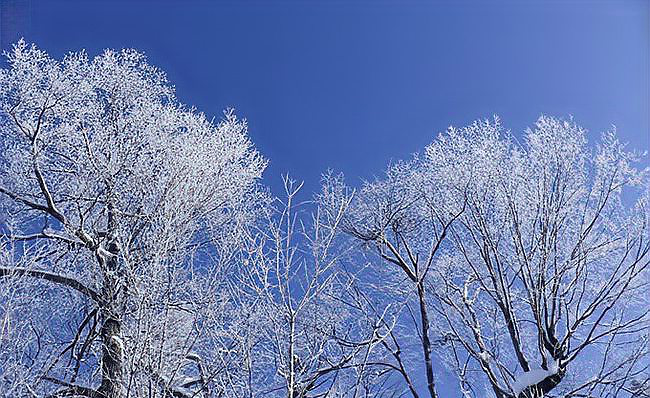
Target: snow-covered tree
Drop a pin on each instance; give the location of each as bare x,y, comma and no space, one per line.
544,288
120,208
523,266
140,258
314,340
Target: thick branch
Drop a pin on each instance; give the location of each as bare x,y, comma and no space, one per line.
56,278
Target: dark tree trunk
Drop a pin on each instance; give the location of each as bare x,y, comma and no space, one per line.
426,343
111,356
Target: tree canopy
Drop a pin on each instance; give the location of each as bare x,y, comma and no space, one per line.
141,255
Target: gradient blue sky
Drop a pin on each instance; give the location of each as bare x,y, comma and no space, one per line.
352,85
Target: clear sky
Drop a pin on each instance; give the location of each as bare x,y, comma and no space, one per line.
350,85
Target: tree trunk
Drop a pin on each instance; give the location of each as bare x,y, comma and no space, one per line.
426,343
111,330
111,355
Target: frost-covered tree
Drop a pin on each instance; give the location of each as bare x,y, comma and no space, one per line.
314,340
523,266
403,220
139,258
544,288
120,208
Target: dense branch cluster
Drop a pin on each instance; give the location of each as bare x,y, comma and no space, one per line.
141,257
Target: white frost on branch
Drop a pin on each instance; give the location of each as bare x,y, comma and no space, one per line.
533,377
119,342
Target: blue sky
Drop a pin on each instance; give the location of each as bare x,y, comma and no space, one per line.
352,85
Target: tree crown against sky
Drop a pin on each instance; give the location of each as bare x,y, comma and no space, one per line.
518,266
113,192
529,260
